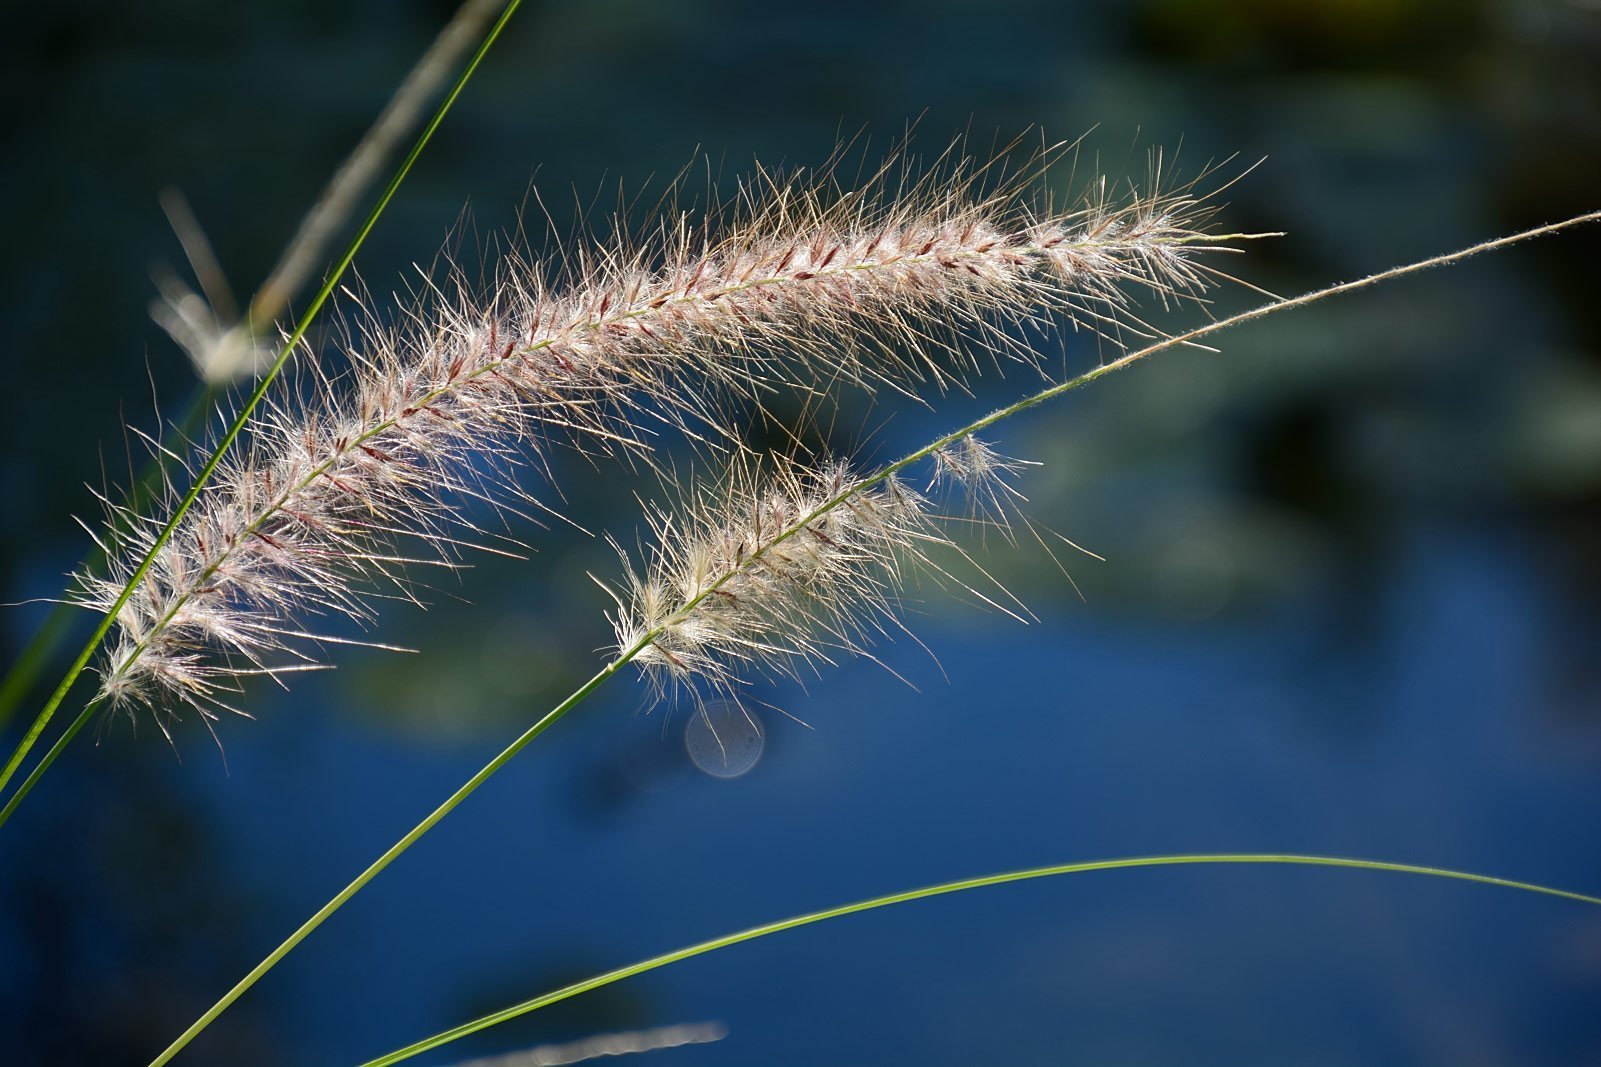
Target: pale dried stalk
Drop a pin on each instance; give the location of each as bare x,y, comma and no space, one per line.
226,348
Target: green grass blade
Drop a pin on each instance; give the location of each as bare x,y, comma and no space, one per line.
627,655
232,433
730,940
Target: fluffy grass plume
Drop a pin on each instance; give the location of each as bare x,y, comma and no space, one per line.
340,489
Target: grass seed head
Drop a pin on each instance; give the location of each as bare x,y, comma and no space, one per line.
349,484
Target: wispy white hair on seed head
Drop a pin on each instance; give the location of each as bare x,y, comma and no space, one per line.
783,566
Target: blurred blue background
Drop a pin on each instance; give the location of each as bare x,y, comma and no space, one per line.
1347,607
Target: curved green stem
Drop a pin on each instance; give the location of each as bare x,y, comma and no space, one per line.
767,929
1188,338
393,853
627,655
237,426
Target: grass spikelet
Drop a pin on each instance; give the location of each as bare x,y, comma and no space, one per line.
803,286
984,476
778,570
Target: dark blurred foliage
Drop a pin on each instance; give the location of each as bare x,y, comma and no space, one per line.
1348,602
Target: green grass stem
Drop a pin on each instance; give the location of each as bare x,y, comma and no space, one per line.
627,655
767,929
